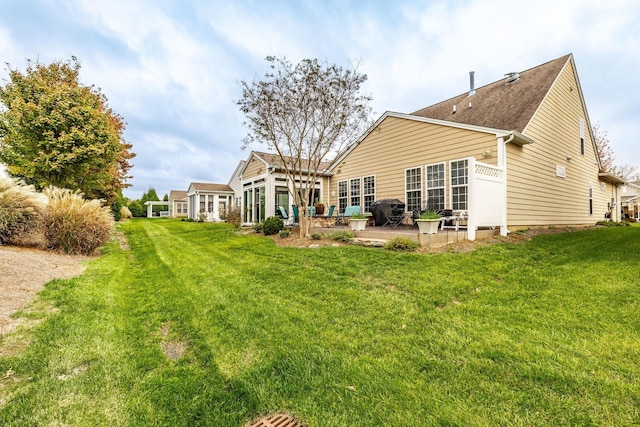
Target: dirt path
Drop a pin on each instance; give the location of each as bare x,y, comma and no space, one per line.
23,273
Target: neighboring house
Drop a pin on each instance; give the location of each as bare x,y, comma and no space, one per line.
178,204
630,200
265,187
236,184
518,152
209,201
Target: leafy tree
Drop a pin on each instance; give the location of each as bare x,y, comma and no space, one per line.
306,113
150,196
56,131
605,152
166,197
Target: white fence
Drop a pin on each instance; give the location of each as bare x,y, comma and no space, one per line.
487,197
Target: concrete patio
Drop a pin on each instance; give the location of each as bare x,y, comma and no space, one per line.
443,237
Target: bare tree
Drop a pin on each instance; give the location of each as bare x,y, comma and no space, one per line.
628,172
605,152
306,113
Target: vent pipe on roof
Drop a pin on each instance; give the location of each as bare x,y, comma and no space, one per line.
472,88
511,77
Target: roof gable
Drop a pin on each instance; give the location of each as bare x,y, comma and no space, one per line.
211,187
274,160
501,105
177,194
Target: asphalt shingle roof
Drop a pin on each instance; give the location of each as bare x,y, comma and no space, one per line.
500,105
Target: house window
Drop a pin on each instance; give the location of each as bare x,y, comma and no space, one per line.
459,184
282,199
210,204
413,189
182,208
369,191
354,186
435,186
202,203
343,199
582,137
248,206
222,209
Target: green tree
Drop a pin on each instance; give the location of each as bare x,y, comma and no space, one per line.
56,131
306,113
137,210
150,196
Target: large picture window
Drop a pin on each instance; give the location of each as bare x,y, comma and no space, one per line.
413,189
435,186
343,196
459,184
369,191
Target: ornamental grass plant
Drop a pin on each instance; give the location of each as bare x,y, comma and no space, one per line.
74,225
20,209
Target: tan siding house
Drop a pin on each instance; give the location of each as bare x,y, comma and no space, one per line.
178,201
515,153
265,188
209,201
518,152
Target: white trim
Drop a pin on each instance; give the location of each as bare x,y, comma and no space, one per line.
444,186
406,190
375,181
451,186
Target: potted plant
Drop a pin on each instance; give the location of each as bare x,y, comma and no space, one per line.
319,207
428,222
358,221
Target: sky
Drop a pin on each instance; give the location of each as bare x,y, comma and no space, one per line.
172,68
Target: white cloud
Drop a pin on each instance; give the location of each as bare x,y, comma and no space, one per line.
172,69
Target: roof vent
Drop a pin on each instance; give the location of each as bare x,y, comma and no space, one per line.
511,77
472,88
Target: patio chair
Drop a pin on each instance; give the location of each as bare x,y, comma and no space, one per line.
393,215
349,211
282,213
296,214
329,217
447,219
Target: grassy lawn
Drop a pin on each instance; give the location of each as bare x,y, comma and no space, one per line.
198,325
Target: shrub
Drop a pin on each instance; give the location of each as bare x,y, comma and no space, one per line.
284,233
272,225
343,236
401,244
74,225
316,236
234,216
136,209
257,227
20,207
125,213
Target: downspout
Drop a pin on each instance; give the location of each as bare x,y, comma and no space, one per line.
504,231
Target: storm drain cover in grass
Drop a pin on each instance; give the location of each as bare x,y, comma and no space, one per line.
277,420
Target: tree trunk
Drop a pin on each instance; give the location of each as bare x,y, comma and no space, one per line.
304,222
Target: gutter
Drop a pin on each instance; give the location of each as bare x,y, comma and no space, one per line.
518,138
612,178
